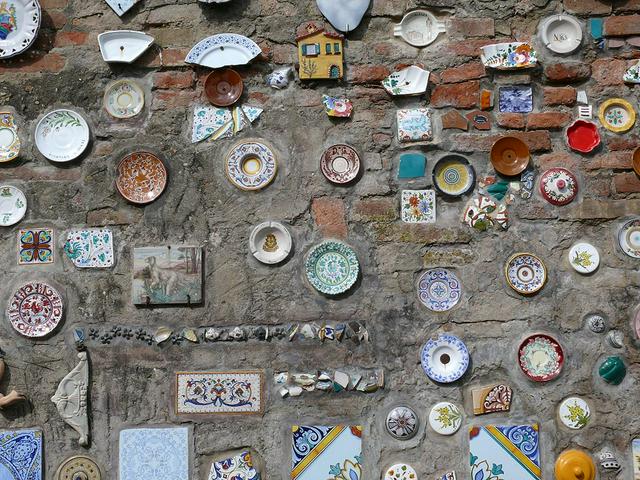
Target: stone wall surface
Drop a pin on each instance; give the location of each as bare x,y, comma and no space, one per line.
132,383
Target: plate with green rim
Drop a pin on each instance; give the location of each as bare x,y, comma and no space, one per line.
332,267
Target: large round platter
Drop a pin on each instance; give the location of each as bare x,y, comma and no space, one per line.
141,177
251,164
270,242
123,99
629,238
617,115
13,205
340,164
9,140
400,471
19,25
62,135
453,175
402,423
574,412
223,50
558,186
78,468
525,273
332,267
445,359
439,290
445,418
540,357
561,33
584,257
35,310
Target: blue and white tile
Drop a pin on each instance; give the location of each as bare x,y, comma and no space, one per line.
157,453
21,454
220,392
516,99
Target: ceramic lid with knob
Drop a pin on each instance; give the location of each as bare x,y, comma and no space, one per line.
575,465
558,186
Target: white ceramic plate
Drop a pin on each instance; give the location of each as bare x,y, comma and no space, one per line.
123,99
123,46
419,28
13,205
223,50
270,242
62,135
9,140
19,27
584,257
574,412
629,238
412,80
445,418
561,33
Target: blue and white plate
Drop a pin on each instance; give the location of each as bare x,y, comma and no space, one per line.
439,289
332,267
223,50
525,273
446,359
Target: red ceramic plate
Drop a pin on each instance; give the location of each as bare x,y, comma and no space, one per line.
541,357
583,136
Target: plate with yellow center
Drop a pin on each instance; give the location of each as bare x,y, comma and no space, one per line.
124,99
251,164
454,176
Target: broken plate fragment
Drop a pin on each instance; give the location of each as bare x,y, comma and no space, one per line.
337,107
162,335
223,50
345,15
123,46
412,80
632,75
121,6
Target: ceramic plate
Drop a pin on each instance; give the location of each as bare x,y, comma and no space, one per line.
13,205
629,238
270,242
584,257
558,186
583,136
332,267
223,87
574,412
561,33
123,46
453,175
509,56
9,140
124,99
223,50
617,115
445,418
62,135
19,25
400,471
251,164
419,28
541,357
412,80
35,310
510,156
340,164
439,290
402,423
525,273
446,359
141,177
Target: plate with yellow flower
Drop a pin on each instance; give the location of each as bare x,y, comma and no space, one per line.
584,257
574,412
445,418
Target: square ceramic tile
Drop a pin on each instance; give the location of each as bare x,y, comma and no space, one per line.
414,125
516,99
418,206
90,248
635,447
167,275
220,392
35,246
238,467
121,6
157,453
321,452
412,165
505,452
20,454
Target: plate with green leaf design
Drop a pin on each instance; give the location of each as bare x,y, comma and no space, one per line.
62,135
332,267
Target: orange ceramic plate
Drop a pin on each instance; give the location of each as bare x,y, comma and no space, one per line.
223,87
141,177
510,156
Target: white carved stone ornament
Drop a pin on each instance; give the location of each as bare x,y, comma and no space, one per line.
71,399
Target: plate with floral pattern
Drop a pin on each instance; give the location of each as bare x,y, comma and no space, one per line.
9,139
445,359
123,99
90,248
141,177
558,186
402,423
251,164
62,135
584,257
540,357
340,164
13,205
525,273
574,413
629,238
35,310
617,115
445,418
400,471
19,26
332,267
439,290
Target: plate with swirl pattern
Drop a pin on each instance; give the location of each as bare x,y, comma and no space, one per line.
332,267
439,290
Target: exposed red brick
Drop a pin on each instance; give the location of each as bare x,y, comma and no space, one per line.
515,121
538,141
468,48
468,71
377,209
567,72
471,27
329,215
367,73
548,120
173,79
628,6
612,161
163,99
627,141
65,39
587,7
608,71
622,25
51,62
459,95
627,182
558,159
559,96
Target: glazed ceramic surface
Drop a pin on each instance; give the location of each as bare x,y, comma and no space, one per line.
492,399
635,450
574,465
419,28
402,423
453,175
220,392
9,140
62,135
418,206
238,467
35,309
123,46
583,136
617,115
574,412
412,165
141,177
558,186
540,357
340,164
251,164
35,246
628,238
124,99
635,161
21,454
613,370
223,87
509,56
445,418
90,248
13,205
344,16
445,359
525,273
337,107
439,289
332,267
401,471
561,33
510,156
414,125
412,80
516,99
19,25
632,75
78,467
121,6
223,50
326,452
584,257
270,242
161,453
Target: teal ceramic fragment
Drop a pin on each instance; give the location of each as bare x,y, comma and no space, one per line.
595,25
613,370
412,165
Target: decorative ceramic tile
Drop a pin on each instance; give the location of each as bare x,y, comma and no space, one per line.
480,120
252,113
447,476
495,398
412,165
219,392
418,206
158,453
635,451
516,99
121,6
326,452
35,246
211,122
505,452
238,467
167,275
20,455
414,125
90,248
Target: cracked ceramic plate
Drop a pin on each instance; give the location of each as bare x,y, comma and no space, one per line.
584,257
19,25
340,164
525,273
124,99
13,205
509,56
332,267
541,357
35,310
445,359
62,135
270,242
251,164
123,46
629,238
412,80
223,50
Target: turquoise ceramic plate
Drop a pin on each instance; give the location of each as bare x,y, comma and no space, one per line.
332,267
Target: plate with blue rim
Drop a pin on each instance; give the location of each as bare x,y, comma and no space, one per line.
445,359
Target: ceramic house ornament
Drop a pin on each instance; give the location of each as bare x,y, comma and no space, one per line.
419,28
344,15
123,46
35,246
9,140
583,136
19,26
613,370
525,273
71,399
320,52
412,80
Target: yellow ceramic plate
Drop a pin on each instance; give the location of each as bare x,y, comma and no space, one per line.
617,115
453,175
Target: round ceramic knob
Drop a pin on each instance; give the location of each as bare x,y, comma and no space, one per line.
575,465
561,184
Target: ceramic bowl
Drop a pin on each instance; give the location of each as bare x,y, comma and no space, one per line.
540,357
525,273
508,56
340,164
510,156
584,257
561,33
141,177
445,359
583,136
270,242
454,176
419,28
223,87
617,115
635,161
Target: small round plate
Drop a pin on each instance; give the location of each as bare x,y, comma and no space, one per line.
141,177
123,99
574,413
401,471
525,273
584,257
402,423
540,357
629,238
35,310
439,290
561,33
9,140
251,164
453,175
332,267
445,359
18,27
223,87
558,186
78,468
270,242
617,115
62,135
510,156
13,205
340,164
419,28
583,136
445,418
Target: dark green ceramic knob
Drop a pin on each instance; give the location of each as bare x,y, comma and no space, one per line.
613,370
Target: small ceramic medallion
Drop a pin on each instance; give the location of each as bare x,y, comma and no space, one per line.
35,310
617,115
453,175
445,359
445,418
19,25
418,206
402,423
340,164
414,125
21,454
13,205
270,242
509,56
35,246
439,290
9,140
558,186
90,248
491,399
141,177
62,135
238,467
419,28
597,322
124,99
78,468
251,164
541,357
525,273
516,99
574,412
584,257
401,471
162,453
332,267
628,238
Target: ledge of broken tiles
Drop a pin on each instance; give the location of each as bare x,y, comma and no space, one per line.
346,379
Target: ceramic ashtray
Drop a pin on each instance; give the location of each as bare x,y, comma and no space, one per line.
525,273
510,156
419,28
617,115
629,238
453,175
583,136
445,359
584,257
540,357
223,87
340,164
561,33
270,242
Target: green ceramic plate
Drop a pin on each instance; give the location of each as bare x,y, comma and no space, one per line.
332,267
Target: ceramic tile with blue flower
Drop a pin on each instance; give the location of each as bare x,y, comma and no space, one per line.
238,467
35,246
157,453
505,452
20,455
414,125
516,99
418,206
327,453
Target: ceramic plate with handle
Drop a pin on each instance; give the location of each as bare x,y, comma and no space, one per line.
62,135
